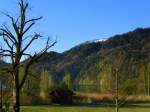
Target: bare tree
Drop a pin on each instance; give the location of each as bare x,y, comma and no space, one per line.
119,98
115,90
148,80
17,46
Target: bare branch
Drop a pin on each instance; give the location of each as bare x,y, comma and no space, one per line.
8,37
6,41
5,55
13,22
4,51
26,54
7,15
7,32
23,8
32,20
17,19
28,27
35,58
36,36
26,71
25,38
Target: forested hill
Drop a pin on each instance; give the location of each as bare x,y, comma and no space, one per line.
94,62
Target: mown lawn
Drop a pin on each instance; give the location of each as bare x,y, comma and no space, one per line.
81,109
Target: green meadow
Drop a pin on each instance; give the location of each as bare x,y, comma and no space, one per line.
81,109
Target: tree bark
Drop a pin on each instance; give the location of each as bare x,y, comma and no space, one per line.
17,101
16,94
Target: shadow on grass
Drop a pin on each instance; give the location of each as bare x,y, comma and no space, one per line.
98,105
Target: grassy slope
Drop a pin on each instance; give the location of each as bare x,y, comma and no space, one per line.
80,109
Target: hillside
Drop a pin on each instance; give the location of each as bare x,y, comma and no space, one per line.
94,62
72,61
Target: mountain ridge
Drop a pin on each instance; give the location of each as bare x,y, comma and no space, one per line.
93,63
80,59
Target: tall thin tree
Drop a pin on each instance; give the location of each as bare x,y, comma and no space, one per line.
18,43
148,80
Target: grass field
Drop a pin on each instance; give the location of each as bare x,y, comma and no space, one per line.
81,109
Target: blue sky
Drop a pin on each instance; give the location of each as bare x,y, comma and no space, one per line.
77,21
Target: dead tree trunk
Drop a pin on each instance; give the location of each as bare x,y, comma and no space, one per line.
18,42
16,106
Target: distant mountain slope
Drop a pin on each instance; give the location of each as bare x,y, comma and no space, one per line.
90,60
70,61
94,62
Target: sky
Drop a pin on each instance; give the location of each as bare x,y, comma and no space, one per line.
76,21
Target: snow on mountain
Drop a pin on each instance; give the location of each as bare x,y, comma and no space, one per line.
100,40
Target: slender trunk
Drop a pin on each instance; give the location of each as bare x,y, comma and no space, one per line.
144,79
16,94
1,93
117,107
148,85
117,92
17,101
